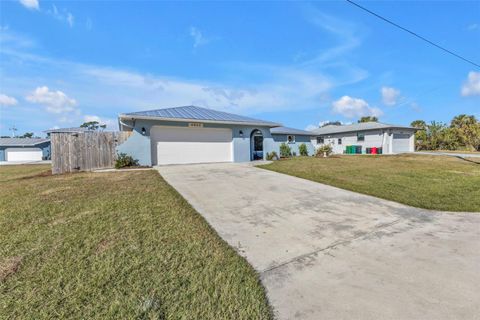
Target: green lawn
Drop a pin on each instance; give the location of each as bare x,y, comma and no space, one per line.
114,246
432,182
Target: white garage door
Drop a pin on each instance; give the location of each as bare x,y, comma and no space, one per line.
401,142
177,145
26,154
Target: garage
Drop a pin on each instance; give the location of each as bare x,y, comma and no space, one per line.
23,154
401,143
182,145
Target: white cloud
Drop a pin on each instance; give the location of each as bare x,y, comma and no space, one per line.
7,101
320,124
70,19
54,101
311,127
198,38
30,4
61,15
471,87
290,89
354,108
346,34
110,123
390,96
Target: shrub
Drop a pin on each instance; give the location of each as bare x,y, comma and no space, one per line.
285,150
272,156
302,149
124,160
325,149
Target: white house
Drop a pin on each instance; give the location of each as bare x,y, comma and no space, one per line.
391,138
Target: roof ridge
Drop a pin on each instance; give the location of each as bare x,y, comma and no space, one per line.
197,113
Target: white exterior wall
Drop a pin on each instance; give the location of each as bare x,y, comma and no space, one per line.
373,138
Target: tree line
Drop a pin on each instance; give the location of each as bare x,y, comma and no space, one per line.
462,133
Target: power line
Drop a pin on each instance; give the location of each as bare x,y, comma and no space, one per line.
414,34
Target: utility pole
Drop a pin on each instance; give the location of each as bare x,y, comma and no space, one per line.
13,129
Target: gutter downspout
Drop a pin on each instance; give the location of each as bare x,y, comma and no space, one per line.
126,125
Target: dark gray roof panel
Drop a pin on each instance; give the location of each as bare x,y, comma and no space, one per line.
287,130
197,113
20,142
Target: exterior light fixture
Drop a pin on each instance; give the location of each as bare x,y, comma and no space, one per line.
241,133
144,131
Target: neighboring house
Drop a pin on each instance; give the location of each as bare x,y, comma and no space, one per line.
292,137
391,138
195,135
24,149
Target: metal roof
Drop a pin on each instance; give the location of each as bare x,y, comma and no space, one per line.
68,130
363,126
287,130
21,142
194,113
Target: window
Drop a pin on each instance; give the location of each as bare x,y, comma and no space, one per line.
360,136
290,139
320,140
340,141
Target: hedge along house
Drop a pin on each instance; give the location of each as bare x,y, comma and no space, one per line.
391,138
24,149
293,138
195,135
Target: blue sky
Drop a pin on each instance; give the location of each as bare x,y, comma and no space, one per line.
298,63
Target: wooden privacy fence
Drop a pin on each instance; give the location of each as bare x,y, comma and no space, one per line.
85,151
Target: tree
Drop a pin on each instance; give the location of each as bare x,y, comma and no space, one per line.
420,135
332,123
467,129
435,135
368,119
93,125
420,124
27,135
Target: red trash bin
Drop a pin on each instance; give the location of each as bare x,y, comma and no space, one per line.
374,150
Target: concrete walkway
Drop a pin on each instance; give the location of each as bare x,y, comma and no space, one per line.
451,154
327,253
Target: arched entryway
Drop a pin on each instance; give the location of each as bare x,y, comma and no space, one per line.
256,145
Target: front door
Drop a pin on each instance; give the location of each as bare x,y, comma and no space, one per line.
257,152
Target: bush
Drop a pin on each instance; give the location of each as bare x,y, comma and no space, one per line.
302,149
272,156
325,149
124,160
285,151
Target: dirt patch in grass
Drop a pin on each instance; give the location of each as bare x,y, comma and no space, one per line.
9,266
46,173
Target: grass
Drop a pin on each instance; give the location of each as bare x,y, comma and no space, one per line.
114,246
431,182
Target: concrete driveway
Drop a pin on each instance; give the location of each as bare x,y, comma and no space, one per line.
327,253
